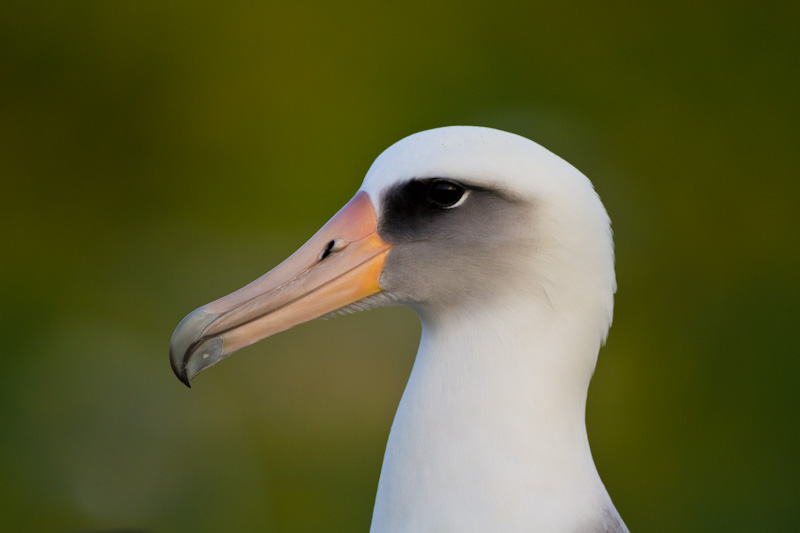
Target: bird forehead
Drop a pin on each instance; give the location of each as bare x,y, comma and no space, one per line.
479,156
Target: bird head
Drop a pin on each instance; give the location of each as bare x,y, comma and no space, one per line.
446,220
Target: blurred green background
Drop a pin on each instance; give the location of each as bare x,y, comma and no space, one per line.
157,155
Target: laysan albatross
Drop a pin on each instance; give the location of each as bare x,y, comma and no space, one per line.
505,252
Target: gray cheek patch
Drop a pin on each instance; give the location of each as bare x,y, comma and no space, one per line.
441,257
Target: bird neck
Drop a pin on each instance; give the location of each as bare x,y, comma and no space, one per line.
490,433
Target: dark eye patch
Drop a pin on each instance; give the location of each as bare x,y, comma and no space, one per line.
407,210
418,209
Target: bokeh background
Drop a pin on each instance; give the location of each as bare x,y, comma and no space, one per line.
157,155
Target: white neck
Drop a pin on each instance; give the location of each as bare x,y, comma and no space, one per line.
490,434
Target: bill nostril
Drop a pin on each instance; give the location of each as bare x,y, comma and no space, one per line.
328,250
332,247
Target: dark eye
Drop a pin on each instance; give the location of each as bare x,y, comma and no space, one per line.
445,193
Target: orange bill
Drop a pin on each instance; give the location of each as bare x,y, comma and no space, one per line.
339,265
